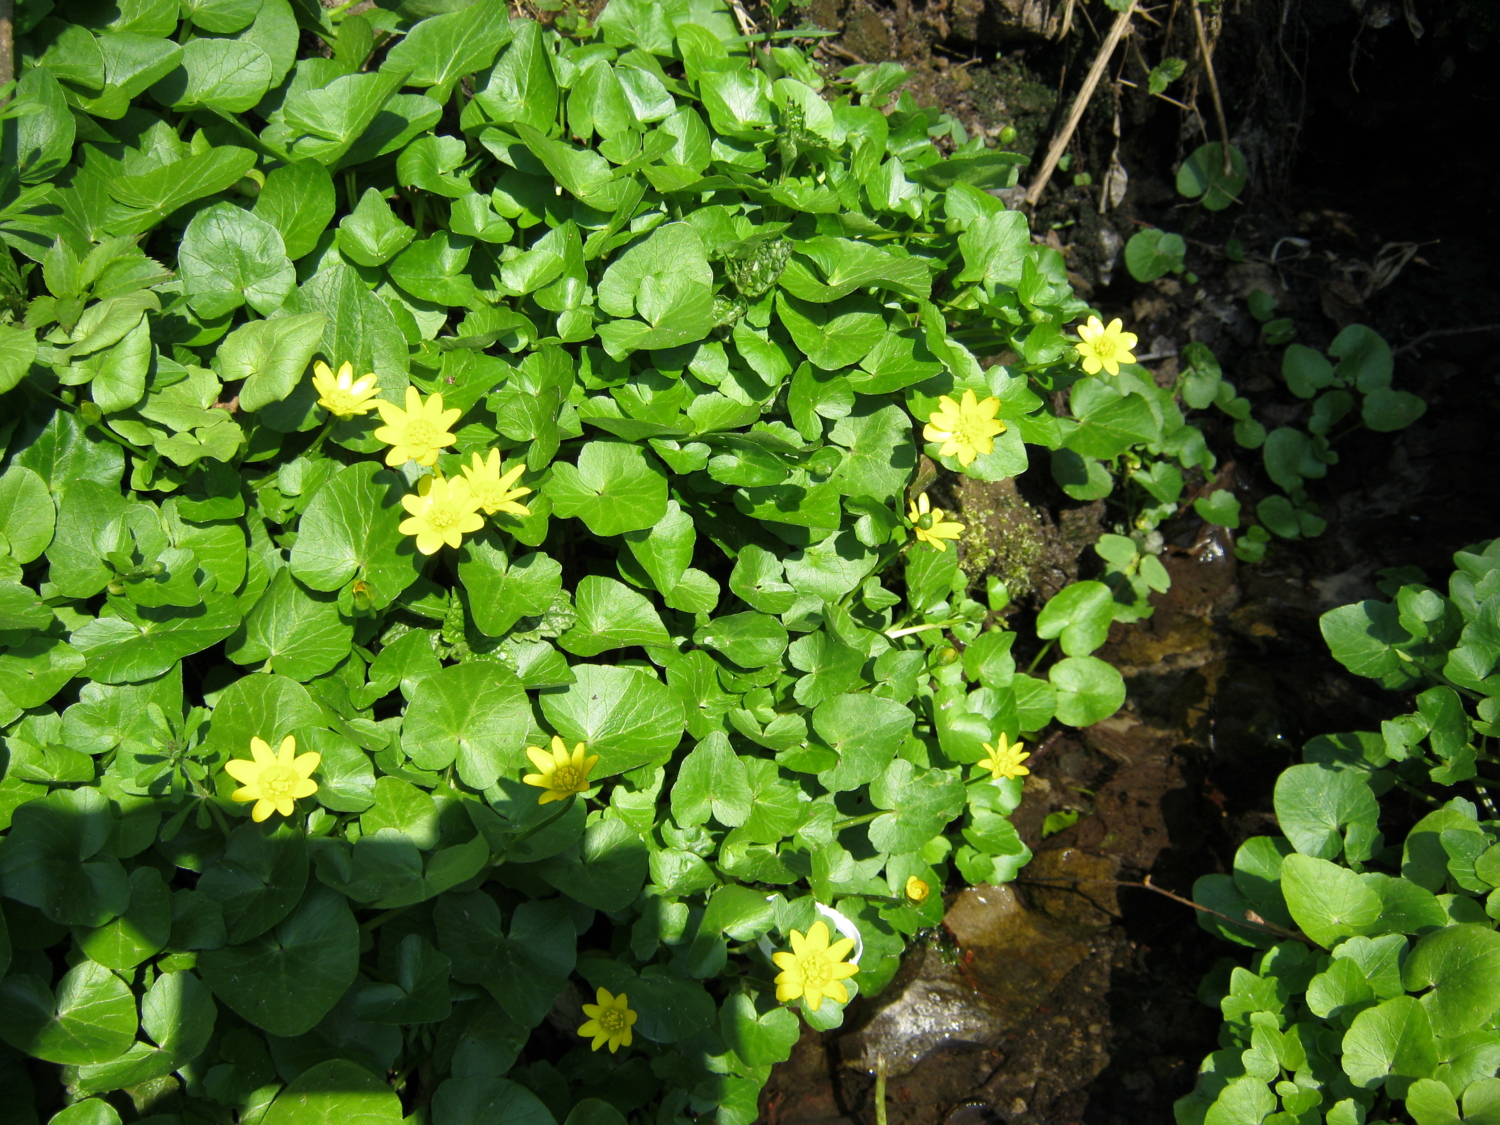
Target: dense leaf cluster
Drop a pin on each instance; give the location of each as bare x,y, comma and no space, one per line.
706,299
1390,988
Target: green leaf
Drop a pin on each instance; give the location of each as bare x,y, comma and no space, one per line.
141,642
625,715
432,269
268,707
39,144
1110,420
350,531
664,280
1088,690
1385,410
502,590
665,550
880,455
27,513
1362,637
993,247
1365,359
91,1019
526,969
711,781
140,932
228,258
217,74
751,640
1153,253
833,335
1327,901
220,16
475,714
301,635
611,615
1392,1039
1220,507
920,804
606,870
443,48
298,200
17,351
331,119
1461,964
1316,805
335,1092
1079,614
485,1100
133,61
258,879
90,1112
1305,370
760,1039
1202,176
371,235
864,731
521,86
417,994
289,978
156,194
615,487
271,356
52,859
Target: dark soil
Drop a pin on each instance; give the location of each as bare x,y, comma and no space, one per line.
1361,139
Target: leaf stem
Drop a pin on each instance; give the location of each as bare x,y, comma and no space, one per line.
1037,659
910,629
850,822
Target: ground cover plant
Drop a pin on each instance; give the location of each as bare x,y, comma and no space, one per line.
1380,973
477,639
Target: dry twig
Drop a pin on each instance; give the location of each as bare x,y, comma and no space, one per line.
1080,103
1213,83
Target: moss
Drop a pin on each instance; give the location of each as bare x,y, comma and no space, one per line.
1003,536
1006,93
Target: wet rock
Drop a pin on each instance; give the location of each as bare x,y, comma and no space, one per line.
1006,959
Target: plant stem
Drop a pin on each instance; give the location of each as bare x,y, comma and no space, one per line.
909,630
1037,659
850,822
880,1089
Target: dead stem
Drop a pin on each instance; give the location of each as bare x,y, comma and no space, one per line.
1213,83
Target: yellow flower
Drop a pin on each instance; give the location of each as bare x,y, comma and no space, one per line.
814,969
344,395
917,889
561,774
1005,760
273,781
417,433
493,489
965,428
928,525
442,511
609,1021
1102,347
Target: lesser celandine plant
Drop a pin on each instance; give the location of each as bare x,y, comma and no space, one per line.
414,393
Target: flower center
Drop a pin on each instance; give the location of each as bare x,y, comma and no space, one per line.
815,971
440,517
421,433
1104,346
612,1020
924,521
971,431
278,782
566,778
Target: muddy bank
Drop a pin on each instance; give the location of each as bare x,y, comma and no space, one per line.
1071,996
